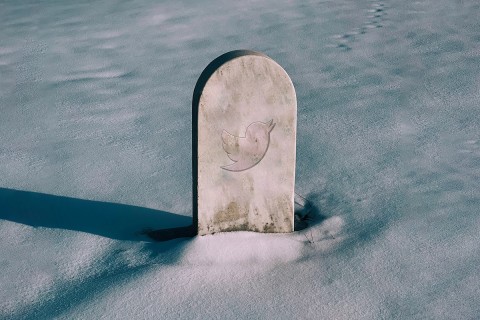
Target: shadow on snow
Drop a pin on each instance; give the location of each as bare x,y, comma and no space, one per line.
112,220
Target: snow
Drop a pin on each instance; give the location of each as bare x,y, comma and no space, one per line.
95,148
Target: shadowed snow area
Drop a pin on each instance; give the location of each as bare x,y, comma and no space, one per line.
95,148
111,220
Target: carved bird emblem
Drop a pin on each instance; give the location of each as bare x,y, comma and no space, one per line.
249,150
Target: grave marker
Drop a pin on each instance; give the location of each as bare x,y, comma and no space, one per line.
244,136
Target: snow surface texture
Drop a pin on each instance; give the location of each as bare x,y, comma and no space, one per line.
95,125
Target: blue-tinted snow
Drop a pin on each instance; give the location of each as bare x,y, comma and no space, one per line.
95,113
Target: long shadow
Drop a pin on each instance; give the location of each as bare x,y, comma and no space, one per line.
112,220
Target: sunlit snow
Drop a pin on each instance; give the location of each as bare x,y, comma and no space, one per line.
95,149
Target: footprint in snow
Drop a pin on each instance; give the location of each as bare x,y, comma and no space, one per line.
375,18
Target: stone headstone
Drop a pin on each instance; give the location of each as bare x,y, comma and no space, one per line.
244,136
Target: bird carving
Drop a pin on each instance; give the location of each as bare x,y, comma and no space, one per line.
249,150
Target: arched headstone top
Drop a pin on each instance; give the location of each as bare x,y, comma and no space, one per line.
244,138
214,65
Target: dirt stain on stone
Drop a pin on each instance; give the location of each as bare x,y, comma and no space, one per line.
231,213
238,227
269,227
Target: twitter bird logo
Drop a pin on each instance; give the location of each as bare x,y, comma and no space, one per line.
247,151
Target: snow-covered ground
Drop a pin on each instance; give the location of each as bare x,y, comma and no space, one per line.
95,147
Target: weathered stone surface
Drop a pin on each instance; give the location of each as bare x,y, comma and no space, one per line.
246,109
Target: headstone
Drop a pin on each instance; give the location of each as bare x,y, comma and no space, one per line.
244,136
